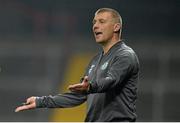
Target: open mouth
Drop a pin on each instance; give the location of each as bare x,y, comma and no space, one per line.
98,33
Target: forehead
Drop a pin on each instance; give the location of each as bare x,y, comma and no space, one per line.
103,15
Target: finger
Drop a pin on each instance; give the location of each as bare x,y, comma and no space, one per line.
25,103
30,99
75,89
21,108
75,86
86,78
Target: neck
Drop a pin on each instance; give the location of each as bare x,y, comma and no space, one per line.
107,46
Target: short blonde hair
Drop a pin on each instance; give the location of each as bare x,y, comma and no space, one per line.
117,17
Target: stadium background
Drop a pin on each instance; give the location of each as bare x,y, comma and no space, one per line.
46,44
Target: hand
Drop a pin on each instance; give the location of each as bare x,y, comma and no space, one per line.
30,104
80,87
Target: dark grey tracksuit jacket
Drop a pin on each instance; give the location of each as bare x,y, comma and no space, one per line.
112,94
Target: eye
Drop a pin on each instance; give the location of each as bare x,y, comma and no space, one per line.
102,21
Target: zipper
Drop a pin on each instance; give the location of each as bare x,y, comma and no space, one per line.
96,67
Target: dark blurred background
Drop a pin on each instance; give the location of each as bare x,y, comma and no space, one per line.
39,37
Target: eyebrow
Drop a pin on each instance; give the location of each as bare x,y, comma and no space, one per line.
101,19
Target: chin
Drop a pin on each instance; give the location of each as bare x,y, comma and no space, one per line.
100,41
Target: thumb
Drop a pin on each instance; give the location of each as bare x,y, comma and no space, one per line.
31,100
86,79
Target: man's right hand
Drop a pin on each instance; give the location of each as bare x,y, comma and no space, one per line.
30,104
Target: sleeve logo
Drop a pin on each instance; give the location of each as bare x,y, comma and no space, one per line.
91,68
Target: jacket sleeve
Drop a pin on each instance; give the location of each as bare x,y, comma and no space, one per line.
65,100
118,71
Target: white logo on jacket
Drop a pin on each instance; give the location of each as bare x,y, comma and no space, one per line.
104,66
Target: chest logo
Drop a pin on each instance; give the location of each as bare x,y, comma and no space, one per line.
104,66
91,68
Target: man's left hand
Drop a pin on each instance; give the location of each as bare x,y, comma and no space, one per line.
80,87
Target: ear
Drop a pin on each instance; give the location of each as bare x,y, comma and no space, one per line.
117,27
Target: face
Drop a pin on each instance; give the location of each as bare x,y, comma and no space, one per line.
103,27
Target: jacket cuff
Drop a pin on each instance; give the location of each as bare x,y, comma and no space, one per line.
38,102
92,87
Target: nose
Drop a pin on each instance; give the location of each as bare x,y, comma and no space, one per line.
95,26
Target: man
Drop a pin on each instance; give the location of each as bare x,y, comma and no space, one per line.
110,82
